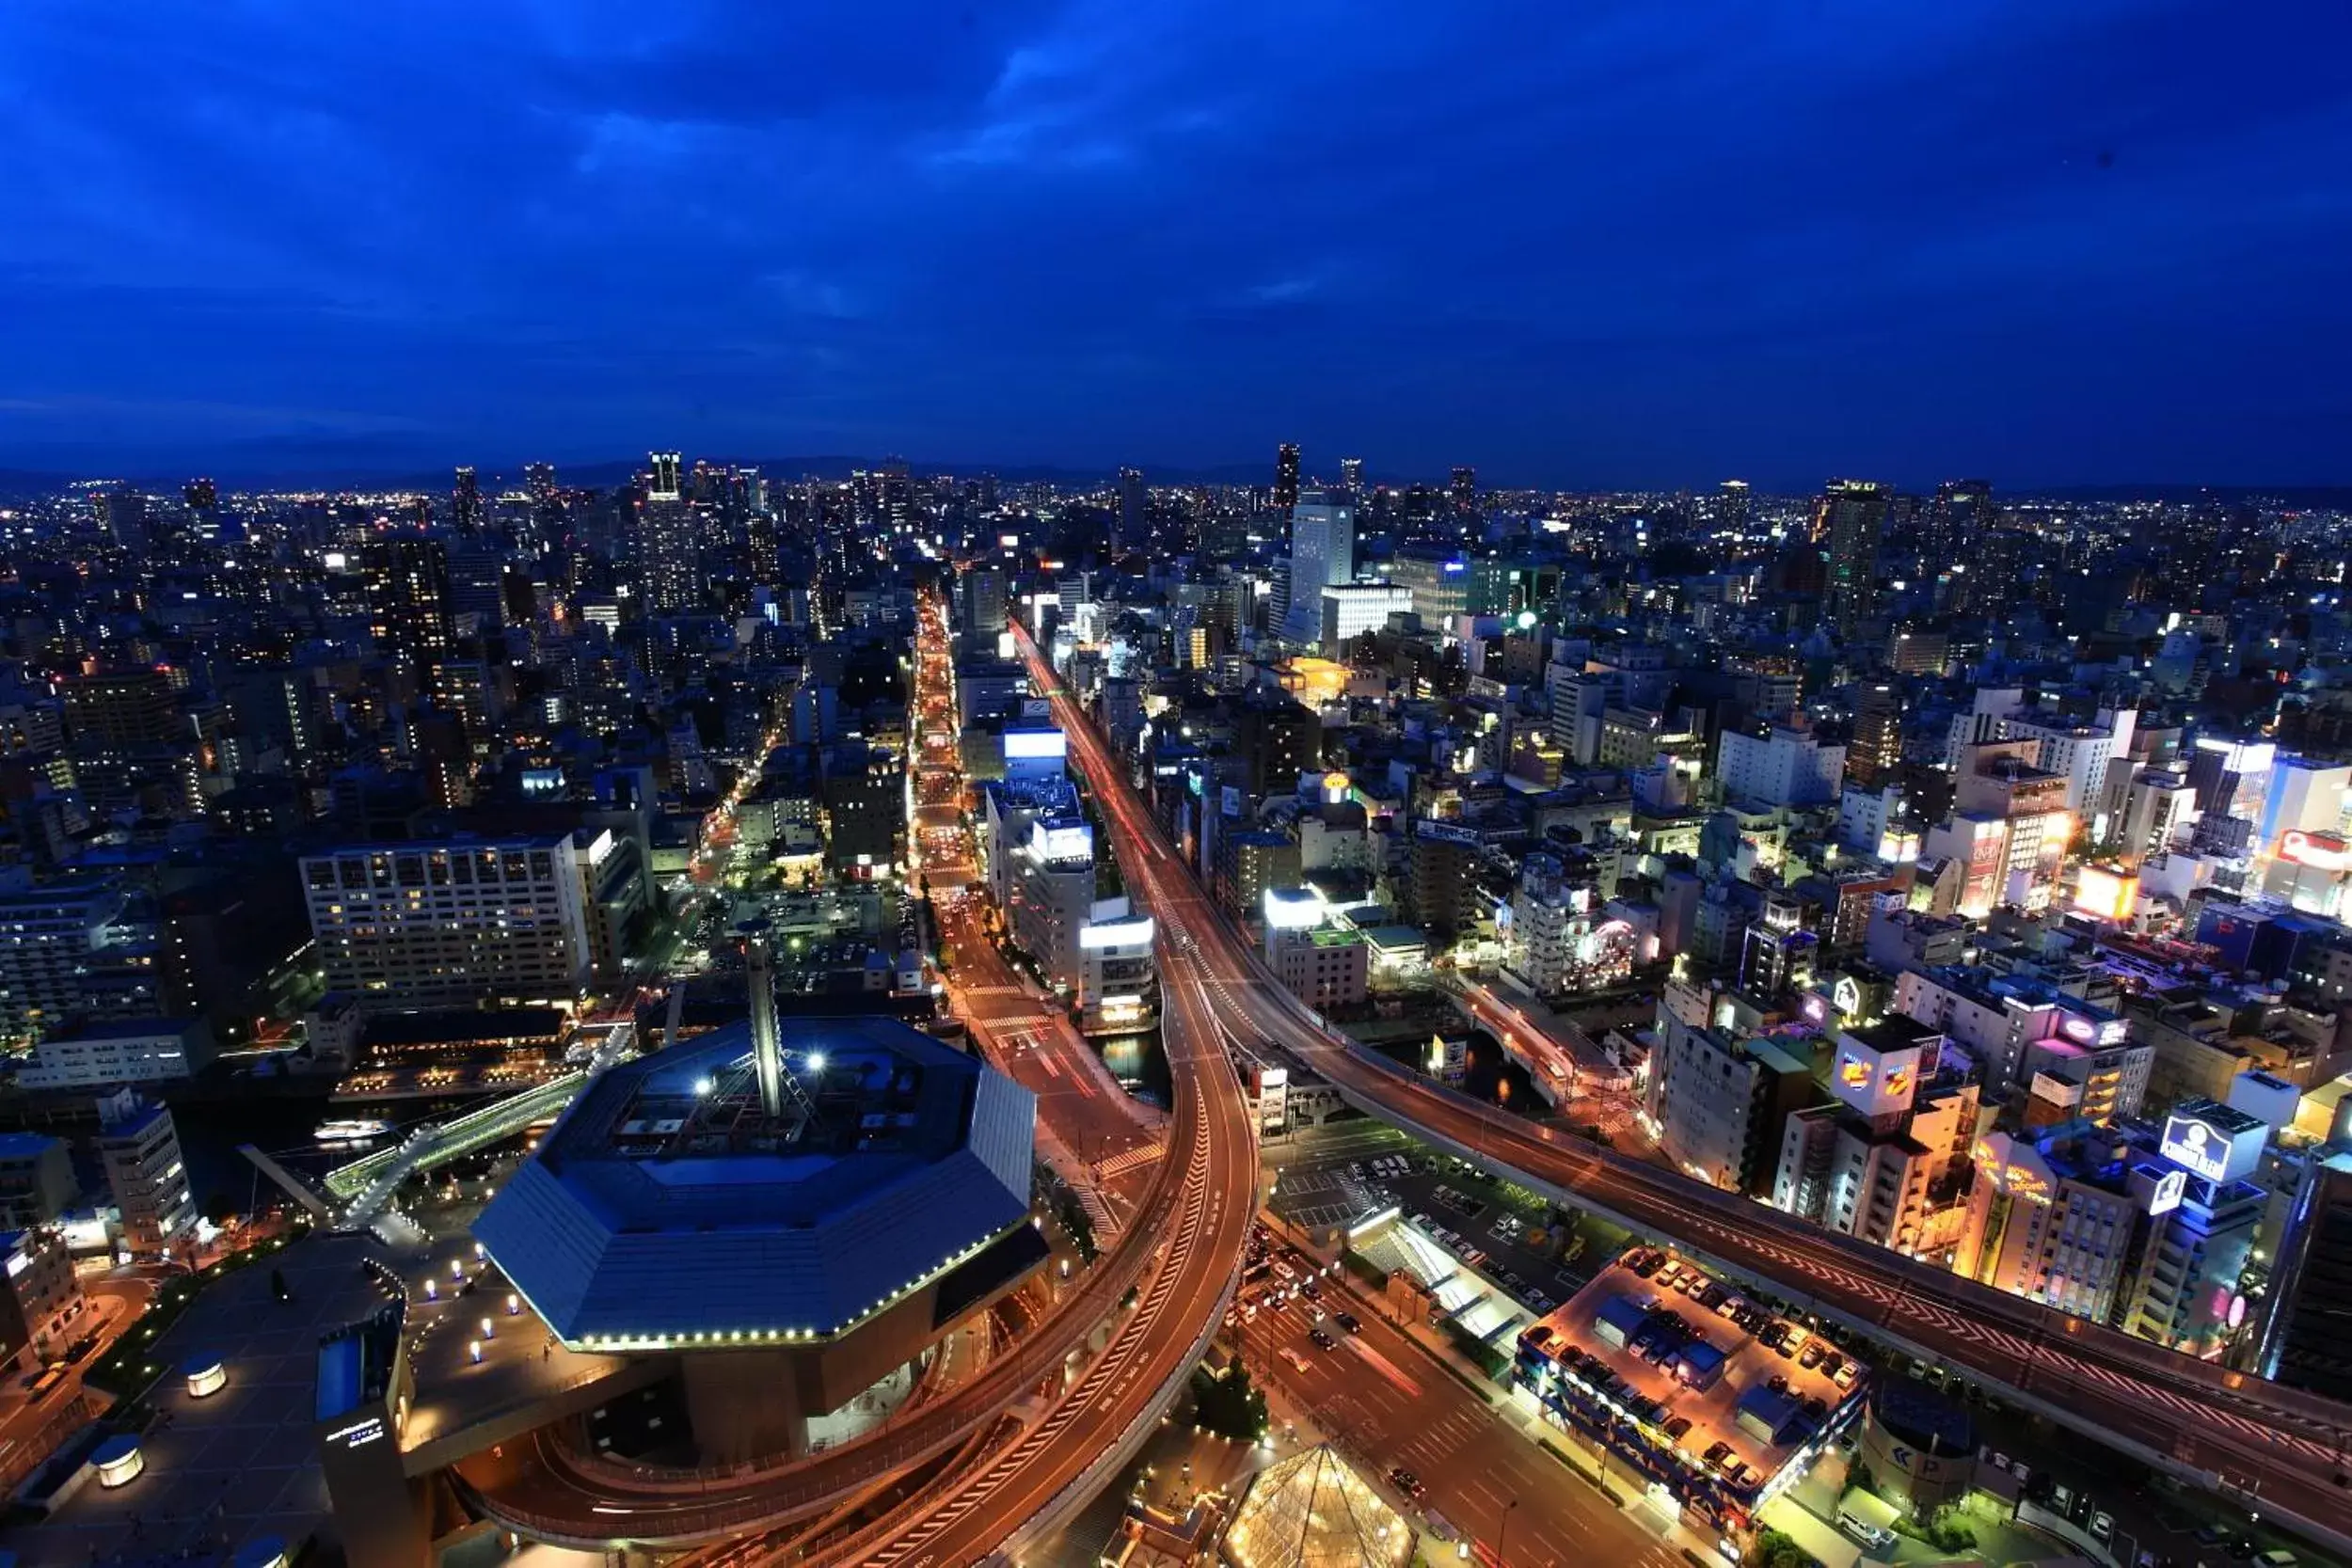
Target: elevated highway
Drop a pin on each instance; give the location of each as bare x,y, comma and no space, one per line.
2273,1449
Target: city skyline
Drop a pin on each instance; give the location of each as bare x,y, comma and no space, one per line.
1605,254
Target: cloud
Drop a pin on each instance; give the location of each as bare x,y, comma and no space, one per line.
1596,242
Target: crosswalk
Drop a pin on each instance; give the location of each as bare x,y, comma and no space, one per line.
1121,1164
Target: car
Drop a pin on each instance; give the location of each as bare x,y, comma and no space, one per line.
1406,1482
1297,1361
1877,1538
1811,1357
1846,1376
1716,1453
1675,1426
1308,1288
1322,1339
1349,1321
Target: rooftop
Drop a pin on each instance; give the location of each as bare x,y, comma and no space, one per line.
666,1206
1665,1355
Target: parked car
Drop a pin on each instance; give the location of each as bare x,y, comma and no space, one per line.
1406,1482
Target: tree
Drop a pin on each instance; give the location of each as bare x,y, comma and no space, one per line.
1230,1403
1773,1549
1073,1219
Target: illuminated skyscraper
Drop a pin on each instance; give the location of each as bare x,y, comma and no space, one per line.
1286,475
1734,507
663,482
1846,524
1352,476
1322,555
539,480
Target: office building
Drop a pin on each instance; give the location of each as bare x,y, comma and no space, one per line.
863,790
1053,896
1119,988
1350,609
139,1148
459,922
1462,490
1322,555
1325,966
1783,767
36,1180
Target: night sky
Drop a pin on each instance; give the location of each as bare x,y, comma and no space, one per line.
1590,242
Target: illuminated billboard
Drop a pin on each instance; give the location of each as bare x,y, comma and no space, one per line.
2214,1142
2320,851
2106,894
1116,933
1062,841
2167,1193
1036,746
1293,908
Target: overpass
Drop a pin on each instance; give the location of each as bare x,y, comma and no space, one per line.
1145,1311
2271,1447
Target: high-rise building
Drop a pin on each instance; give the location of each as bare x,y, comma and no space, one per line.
1352,476
201,495
1846,524
465,500
1286,476
1962,520
662,479
451,924
539,481
670,555
1735,507
1131,509
1877,750
2307,1323
1463,492
1322,555
407,578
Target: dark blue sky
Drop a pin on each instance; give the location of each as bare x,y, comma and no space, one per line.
1596,242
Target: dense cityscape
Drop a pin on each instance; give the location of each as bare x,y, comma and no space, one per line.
697,1013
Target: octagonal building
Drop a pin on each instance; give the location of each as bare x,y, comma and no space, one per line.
794,1208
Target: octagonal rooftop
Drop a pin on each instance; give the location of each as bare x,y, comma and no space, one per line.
666,1210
